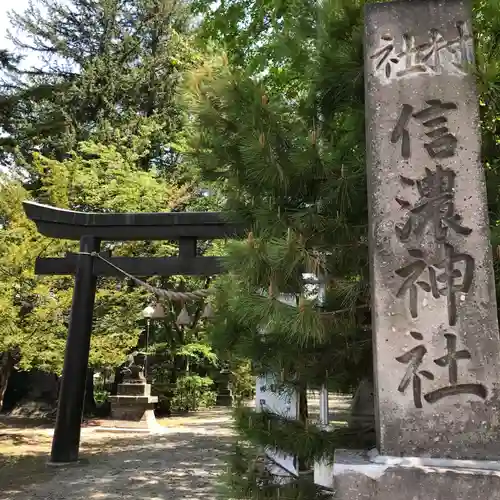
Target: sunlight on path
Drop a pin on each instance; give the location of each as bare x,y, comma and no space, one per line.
184,463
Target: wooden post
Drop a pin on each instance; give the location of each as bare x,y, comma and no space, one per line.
72,393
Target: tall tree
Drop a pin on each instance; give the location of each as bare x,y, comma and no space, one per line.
34,309
293,164
104,65
94,125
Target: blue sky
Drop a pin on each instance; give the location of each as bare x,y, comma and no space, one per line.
6,6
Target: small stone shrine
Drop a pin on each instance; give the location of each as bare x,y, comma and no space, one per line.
436,341
133,406
224,394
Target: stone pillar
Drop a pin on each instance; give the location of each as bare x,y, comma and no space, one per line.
272,396
436,342
435,325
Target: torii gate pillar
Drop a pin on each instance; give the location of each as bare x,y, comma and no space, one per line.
66,441
90,229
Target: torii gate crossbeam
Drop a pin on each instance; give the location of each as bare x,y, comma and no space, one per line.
91,229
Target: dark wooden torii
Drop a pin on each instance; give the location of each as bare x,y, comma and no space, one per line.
91,229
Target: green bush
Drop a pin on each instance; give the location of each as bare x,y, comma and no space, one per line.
101,396
242,382
193,392
164,392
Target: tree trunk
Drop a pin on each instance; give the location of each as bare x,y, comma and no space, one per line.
303,418
6,365
89,403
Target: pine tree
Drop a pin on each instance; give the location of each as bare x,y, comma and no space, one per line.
292,159
93,127
294,172
107,69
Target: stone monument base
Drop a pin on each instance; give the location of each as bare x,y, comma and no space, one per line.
134,412
224,398
133,407
224,394
366,476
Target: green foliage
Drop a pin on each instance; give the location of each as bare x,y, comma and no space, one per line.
247,477
280,125
272,40
39,306
298,438
198,352
193,392
487,34
293,169
114,67
101,396
94,126
99,178
19,244
295,174
101,388
242,381
181,351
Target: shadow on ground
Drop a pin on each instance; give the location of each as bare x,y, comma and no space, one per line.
184,463
181,464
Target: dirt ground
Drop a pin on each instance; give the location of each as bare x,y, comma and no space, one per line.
185,462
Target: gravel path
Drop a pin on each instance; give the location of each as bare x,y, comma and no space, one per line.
183,463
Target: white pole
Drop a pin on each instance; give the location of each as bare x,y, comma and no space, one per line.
323,405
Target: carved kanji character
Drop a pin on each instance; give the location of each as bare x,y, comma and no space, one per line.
429,57
449,276
445,273
385,56
411,56
400,131
460,48
413,358
435,206
442,144
412,273
450,360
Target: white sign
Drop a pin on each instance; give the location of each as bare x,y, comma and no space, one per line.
271,396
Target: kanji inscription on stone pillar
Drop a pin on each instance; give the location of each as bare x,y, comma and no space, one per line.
436,341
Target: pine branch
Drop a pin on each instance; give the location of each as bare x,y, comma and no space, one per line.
345,311
248,477
295,438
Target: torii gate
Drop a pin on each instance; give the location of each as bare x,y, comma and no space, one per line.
91,229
